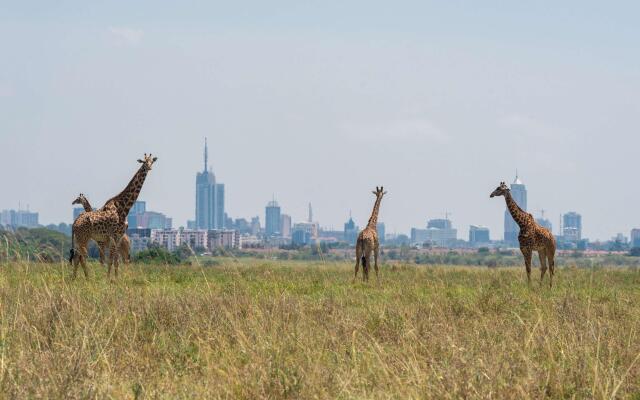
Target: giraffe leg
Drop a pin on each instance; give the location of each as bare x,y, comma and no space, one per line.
526,252
543,264
358,257
368,253
84,254
376,253
114,255
75,261
102,247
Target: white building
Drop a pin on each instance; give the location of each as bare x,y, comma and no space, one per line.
194,238
226,239
167,238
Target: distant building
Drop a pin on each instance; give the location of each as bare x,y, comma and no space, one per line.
272,220
225,239
194,238
242,225
350,231
191,224
255,226
209,198
19,218
439,223
381,232
635,237
167,238
419,236
151,220
285,225
439,232
572,227
511,228
478,235
140,239
300,238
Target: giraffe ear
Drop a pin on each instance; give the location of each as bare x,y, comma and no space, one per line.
155,159
140,161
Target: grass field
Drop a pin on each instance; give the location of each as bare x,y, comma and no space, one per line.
266,329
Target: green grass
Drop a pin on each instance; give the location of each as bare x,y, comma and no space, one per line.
260,329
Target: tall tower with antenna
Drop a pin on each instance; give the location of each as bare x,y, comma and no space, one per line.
310,213
209,197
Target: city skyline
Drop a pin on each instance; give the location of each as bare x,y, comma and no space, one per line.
321,103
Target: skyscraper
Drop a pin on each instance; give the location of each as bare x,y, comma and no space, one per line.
285,225
272,221
572,226
519,194
209,198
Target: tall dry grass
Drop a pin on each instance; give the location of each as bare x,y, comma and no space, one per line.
255,329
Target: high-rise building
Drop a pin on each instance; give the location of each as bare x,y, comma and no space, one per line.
209,198
572,226
439,223
350,231
511,228
478,235
285,225
255,226
381,231
19,218
272,220
635,237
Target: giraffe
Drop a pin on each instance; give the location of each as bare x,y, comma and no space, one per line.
124,245
109,223
532,237
367,242
102,226
123,202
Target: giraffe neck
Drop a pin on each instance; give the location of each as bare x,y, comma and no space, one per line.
517,213
373,220
86,205
124,201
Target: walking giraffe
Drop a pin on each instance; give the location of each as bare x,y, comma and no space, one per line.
532,237
368,242
124,245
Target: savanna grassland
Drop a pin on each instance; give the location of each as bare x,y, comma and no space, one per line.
277,329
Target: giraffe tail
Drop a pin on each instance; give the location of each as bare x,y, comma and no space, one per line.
365,268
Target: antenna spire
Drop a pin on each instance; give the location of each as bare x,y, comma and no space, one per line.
206,154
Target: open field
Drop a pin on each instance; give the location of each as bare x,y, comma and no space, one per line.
257,329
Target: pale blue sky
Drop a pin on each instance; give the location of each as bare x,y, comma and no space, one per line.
321,102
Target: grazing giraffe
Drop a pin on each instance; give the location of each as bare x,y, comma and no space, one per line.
123,202
124,245
367,242
532,237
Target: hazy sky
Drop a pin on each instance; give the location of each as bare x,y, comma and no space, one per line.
321,101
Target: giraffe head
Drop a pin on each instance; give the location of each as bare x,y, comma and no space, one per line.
500,190
147,161
379,192
80,199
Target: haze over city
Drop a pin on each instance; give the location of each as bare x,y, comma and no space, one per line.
321,103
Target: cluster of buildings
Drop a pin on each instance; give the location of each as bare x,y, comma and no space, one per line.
19,218
213,229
